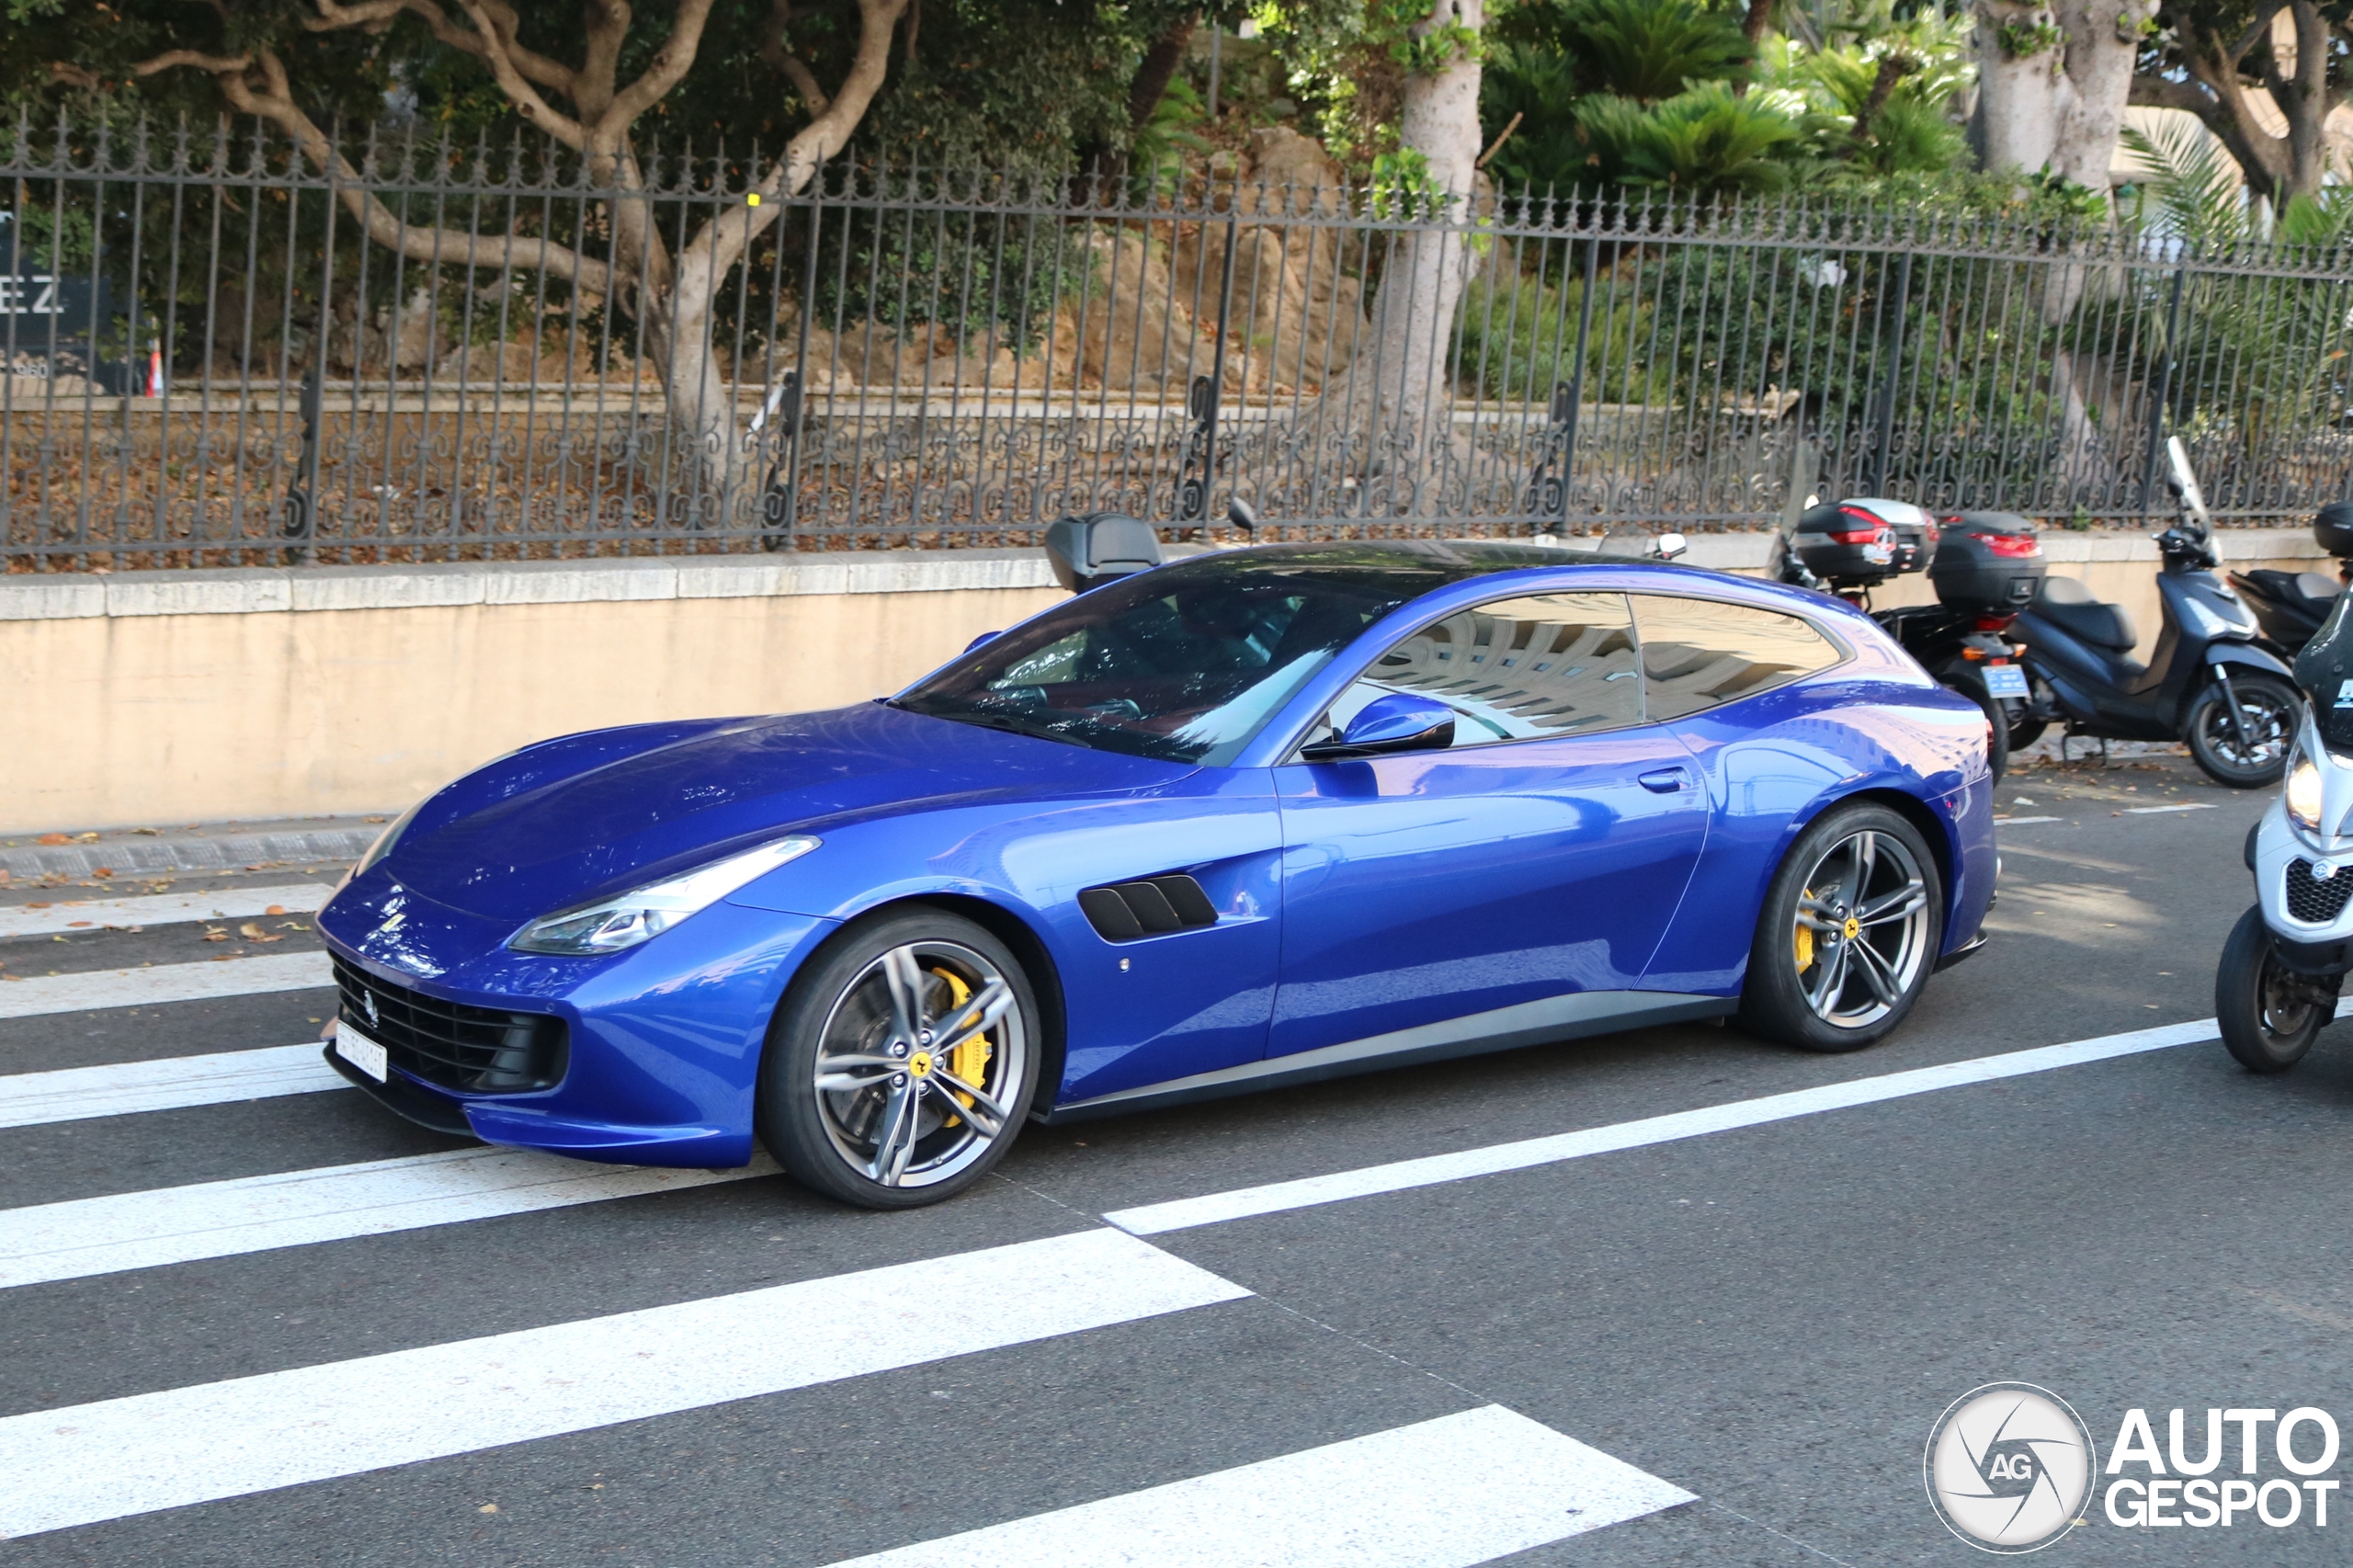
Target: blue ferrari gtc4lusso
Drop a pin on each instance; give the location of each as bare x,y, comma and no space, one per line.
1248,818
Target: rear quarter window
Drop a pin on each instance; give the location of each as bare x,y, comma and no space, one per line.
1701,654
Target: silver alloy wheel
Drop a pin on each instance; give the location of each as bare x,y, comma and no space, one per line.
1862,929
2289,1001
918,1057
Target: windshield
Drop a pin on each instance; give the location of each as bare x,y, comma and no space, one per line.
1184,663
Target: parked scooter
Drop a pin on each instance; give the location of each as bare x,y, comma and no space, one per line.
2289,606
1984,564
2287,957
2210,682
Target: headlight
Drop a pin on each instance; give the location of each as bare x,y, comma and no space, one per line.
2304,792
643,913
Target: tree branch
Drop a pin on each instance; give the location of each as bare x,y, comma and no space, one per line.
374,15
722,240
524,96
670,64
796,70
1158,68
270,99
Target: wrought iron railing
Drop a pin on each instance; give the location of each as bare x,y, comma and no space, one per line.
220,353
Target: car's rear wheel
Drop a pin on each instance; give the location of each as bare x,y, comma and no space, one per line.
1848,933
902,1063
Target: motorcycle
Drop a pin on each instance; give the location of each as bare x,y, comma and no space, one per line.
2291,606
2211,681
2287,958
1984,565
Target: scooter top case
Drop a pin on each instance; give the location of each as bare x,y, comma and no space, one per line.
1865,540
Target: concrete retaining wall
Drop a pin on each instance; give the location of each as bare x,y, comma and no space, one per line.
171,697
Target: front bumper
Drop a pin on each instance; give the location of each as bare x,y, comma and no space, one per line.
665,1039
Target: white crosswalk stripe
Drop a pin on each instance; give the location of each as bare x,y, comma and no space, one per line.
1400,1176
171,1083
86,1237
85,1463
1445,1494
164,982
159,909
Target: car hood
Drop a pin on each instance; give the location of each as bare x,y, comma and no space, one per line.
587,815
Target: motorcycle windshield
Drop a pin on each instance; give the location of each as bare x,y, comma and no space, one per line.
2324,669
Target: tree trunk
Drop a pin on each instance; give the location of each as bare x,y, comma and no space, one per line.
2095,82
1157,69
1422,285
2018,93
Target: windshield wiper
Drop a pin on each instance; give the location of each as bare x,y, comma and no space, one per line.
987,721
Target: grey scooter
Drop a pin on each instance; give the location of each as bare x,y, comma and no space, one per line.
2211,681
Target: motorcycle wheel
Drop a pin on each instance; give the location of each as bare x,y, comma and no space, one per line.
1970,683
2024,733
2256,762
2269,1015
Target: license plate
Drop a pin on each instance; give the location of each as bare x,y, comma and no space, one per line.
360,1051
2004,680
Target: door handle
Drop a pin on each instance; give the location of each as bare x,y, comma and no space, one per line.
1665,780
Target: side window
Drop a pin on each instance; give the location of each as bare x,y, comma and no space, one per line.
1517,669
1699,652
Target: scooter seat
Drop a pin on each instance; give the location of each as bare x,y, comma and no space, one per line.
2314,587
2068,605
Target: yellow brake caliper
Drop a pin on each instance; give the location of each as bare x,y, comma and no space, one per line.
970,1058
1805,935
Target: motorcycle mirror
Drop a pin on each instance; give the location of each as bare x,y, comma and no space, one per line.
2184,482
1242,514
1669,546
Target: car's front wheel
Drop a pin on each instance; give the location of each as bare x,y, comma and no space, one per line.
1848,933
902,1063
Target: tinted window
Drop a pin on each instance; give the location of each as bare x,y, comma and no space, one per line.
1698,652
1184,663
1515,669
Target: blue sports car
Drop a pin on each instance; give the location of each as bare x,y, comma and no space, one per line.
1251,818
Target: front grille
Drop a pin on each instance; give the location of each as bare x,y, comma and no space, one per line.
475,1050
2314,901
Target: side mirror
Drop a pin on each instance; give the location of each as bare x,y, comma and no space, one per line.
1090,550
984,637
1669,546
1402,721
1242,514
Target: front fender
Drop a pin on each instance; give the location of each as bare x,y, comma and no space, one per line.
2249,655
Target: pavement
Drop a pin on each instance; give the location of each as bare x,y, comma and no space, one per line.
1668,1297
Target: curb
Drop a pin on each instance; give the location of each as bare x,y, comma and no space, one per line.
227,852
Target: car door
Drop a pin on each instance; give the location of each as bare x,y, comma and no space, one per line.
1541,857
1728,680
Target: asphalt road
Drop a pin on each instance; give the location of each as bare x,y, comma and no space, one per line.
1769,1318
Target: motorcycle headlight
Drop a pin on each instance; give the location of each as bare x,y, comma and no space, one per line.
2304,792
643,913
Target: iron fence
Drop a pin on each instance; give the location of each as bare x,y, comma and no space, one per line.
220,353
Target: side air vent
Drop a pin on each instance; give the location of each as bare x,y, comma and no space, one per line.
1125,911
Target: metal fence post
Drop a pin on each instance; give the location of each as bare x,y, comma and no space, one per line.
301,495
1199,467
2163,388
1885,436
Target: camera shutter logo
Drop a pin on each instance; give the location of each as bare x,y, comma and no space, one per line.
2009,1468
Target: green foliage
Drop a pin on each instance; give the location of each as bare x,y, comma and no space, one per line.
1518,339
1701,142
972,274
1644,49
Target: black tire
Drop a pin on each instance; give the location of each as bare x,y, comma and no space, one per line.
2272,708
1782,997
2024,733
2269,1016
1972,685
890,1133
